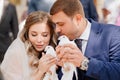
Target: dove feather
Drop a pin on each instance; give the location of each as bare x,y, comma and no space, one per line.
67,74
53,75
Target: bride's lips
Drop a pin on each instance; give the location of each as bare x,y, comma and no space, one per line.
39,46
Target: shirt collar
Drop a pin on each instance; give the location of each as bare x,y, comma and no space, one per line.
85,34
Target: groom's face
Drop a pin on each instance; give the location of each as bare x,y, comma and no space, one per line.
65,25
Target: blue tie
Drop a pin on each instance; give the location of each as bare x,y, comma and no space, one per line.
80,72
79,43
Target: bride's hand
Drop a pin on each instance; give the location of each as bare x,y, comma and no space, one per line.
45,62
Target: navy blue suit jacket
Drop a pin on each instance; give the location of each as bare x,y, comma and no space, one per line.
103,51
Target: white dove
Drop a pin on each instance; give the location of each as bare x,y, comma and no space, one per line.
68,68
53,75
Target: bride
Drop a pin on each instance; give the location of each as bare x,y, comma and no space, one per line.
25,59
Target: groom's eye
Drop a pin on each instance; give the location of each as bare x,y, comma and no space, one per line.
60,24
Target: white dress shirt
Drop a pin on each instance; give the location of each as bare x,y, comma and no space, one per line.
84,36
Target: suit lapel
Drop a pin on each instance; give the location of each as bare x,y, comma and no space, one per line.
93,37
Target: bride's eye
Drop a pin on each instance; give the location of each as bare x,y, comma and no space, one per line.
33,34
45,35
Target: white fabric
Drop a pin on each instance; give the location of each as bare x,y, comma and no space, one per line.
1,8
15,63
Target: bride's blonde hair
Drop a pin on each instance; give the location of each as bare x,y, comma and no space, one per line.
36,17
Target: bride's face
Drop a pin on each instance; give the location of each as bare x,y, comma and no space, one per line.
39,36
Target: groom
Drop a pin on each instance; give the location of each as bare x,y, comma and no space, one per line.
100,54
